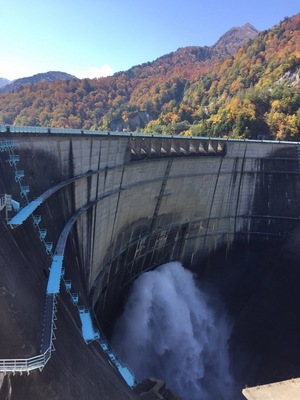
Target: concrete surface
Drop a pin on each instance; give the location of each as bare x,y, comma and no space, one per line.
147,211
285,390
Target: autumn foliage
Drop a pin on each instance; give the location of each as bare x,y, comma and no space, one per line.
254,93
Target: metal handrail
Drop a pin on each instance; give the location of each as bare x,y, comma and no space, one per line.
36,362
39,361
25,364
62,131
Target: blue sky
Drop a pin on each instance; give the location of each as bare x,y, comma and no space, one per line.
92,38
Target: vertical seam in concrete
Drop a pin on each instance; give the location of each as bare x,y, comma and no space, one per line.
95,213
92,244
157,206
298,154
161,192
212,202
59,152
117,206
239,189
91,154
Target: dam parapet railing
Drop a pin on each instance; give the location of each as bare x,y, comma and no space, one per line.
147,145
35,130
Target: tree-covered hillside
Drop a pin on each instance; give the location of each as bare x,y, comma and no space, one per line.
253,92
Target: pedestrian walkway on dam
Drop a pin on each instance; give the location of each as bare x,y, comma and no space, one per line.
28,209
56,269
89,334
55,275
48,325
24,213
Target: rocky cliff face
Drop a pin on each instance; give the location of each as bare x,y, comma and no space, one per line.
291,77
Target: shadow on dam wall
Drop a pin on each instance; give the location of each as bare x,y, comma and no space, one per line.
229,215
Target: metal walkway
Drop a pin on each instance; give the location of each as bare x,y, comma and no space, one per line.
26,364
22,365
49,325
88,332
24,213
28,209
56,274
40,360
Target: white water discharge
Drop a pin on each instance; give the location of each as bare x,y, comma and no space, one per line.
171,330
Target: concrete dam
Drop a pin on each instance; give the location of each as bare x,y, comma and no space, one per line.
111,206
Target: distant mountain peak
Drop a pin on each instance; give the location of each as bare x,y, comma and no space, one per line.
226,46
50,76
4,81
233,39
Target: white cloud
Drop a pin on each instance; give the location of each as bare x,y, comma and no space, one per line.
94,72
16,70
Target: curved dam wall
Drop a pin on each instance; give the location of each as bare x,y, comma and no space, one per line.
150,200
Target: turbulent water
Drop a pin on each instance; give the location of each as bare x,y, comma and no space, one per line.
170,330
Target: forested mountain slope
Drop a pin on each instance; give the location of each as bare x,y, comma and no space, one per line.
223,90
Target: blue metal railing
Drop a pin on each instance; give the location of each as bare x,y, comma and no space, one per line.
39,361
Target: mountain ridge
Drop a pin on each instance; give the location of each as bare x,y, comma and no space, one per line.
4,82
238,35
49,76
198,91
234,38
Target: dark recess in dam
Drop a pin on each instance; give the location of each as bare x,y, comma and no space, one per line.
228,210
